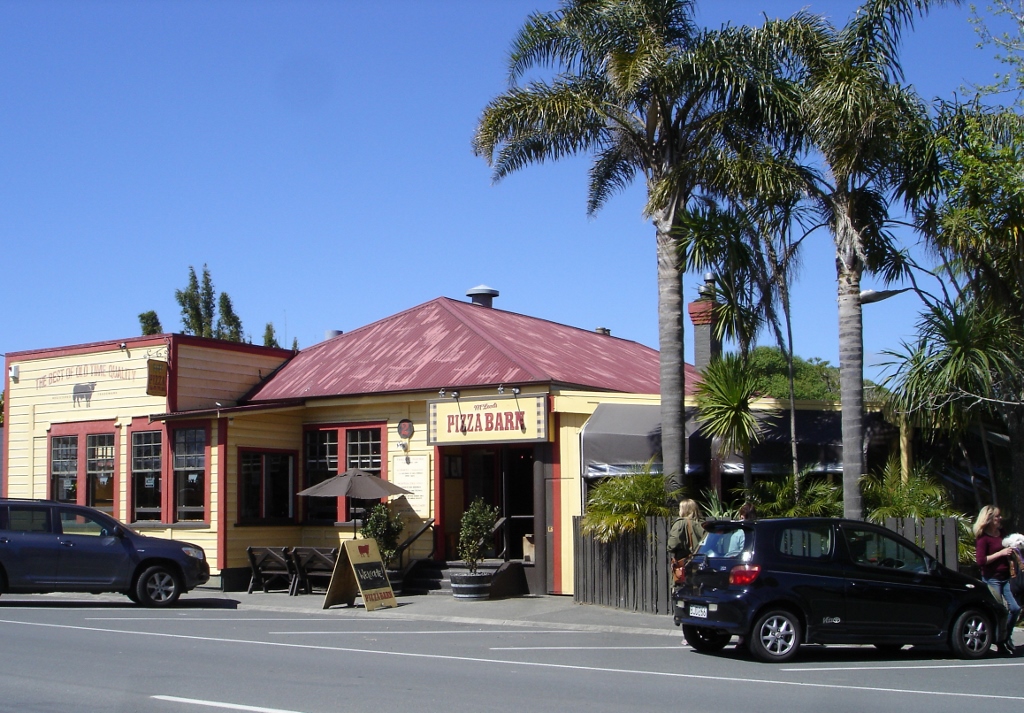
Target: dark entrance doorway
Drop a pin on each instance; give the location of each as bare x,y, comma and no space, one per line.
503,477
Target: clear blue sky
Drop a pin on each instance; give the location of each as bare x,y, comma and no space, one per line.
316,155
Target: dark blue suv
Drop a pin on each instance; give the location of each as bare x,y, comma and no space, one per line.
781,583
55,547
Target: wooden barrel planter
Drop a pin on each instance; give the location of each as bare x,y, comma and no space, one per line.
471,587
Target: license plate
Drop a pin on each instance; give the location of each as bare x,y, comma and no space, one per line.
698,612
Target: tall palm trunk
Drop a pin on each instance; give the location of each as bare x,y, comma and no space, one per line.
851,383
670,345
791,379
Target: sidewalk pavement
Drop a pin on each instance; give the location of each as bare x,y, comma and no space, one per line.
547,611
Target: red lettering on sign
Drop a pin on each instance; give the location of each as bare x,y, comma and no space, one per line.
489,421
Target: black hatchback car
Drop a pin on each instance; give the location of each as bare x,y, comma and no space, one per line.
55,547
781,583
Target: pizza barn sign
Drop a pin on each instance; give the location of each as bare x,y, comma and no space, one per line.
487,420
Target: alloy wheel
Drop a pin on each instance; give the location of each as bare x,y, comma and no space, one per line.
777,635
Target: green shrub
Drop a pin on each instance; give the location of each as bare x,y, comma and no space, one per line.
920,495
385,528
622,503
476,527
804,495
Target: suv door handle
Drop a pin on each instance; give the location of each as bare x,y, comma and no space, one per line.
66,543
4,540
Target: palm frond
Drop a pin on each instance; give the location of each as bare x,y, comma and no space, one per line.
621,504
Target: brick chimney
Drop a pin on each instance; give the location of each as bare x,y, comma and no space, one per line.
702,313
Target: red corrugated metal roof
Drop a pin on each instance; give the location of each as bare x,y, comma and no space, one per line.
449,344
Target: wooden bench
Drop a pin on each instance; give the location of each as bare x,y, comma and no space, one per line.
312,565
269,566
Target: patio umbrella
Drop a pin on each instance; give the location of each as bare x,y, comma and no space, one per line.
354,483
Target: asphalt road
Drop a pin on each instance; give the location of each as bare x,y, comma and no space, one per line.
104,654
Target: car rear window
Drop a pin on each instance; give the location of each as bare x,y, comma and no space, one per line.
725,542
808,541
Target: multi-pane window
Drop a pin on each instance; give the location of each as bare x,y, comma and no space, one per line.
363,450
266,487
99,472
64,468
190,474
321,464
147,452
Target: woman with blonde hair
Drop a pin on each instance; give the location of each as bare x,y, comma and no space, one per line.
994,562
686,531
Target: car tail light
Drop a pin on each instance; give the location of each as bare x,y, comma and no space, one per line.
744,574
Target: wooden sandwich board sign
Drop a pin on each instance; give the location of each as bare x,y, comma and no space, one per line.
360,572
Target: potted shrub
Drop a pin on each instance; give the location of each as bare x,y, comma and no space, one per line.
384,527
474,533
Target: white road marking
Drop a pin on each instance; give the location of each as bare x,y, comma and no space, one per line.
203,618
530,664
579,648
219,704
908,667
437,631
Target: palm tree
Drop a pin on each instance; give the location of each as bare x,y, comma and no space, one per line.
950,377
794,496
865,127
914,495
755,265
724,398
964,370
640,87
888,494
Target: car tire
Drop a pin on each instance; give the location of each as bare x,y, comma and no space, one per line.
971,635
705,639
775,637
158,586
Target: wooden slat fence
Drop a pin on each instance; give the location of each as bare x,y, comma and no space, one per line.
935,535
632,573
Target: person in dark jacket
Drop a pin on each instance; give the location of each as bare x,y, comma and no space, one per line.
994,562
686,532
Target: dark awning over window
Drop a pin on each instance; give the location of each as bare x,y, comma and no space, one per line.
620,438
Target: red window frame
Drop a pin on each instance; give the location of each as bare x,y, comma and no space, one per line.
143,425
239,517
82,430
344,507
171,514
